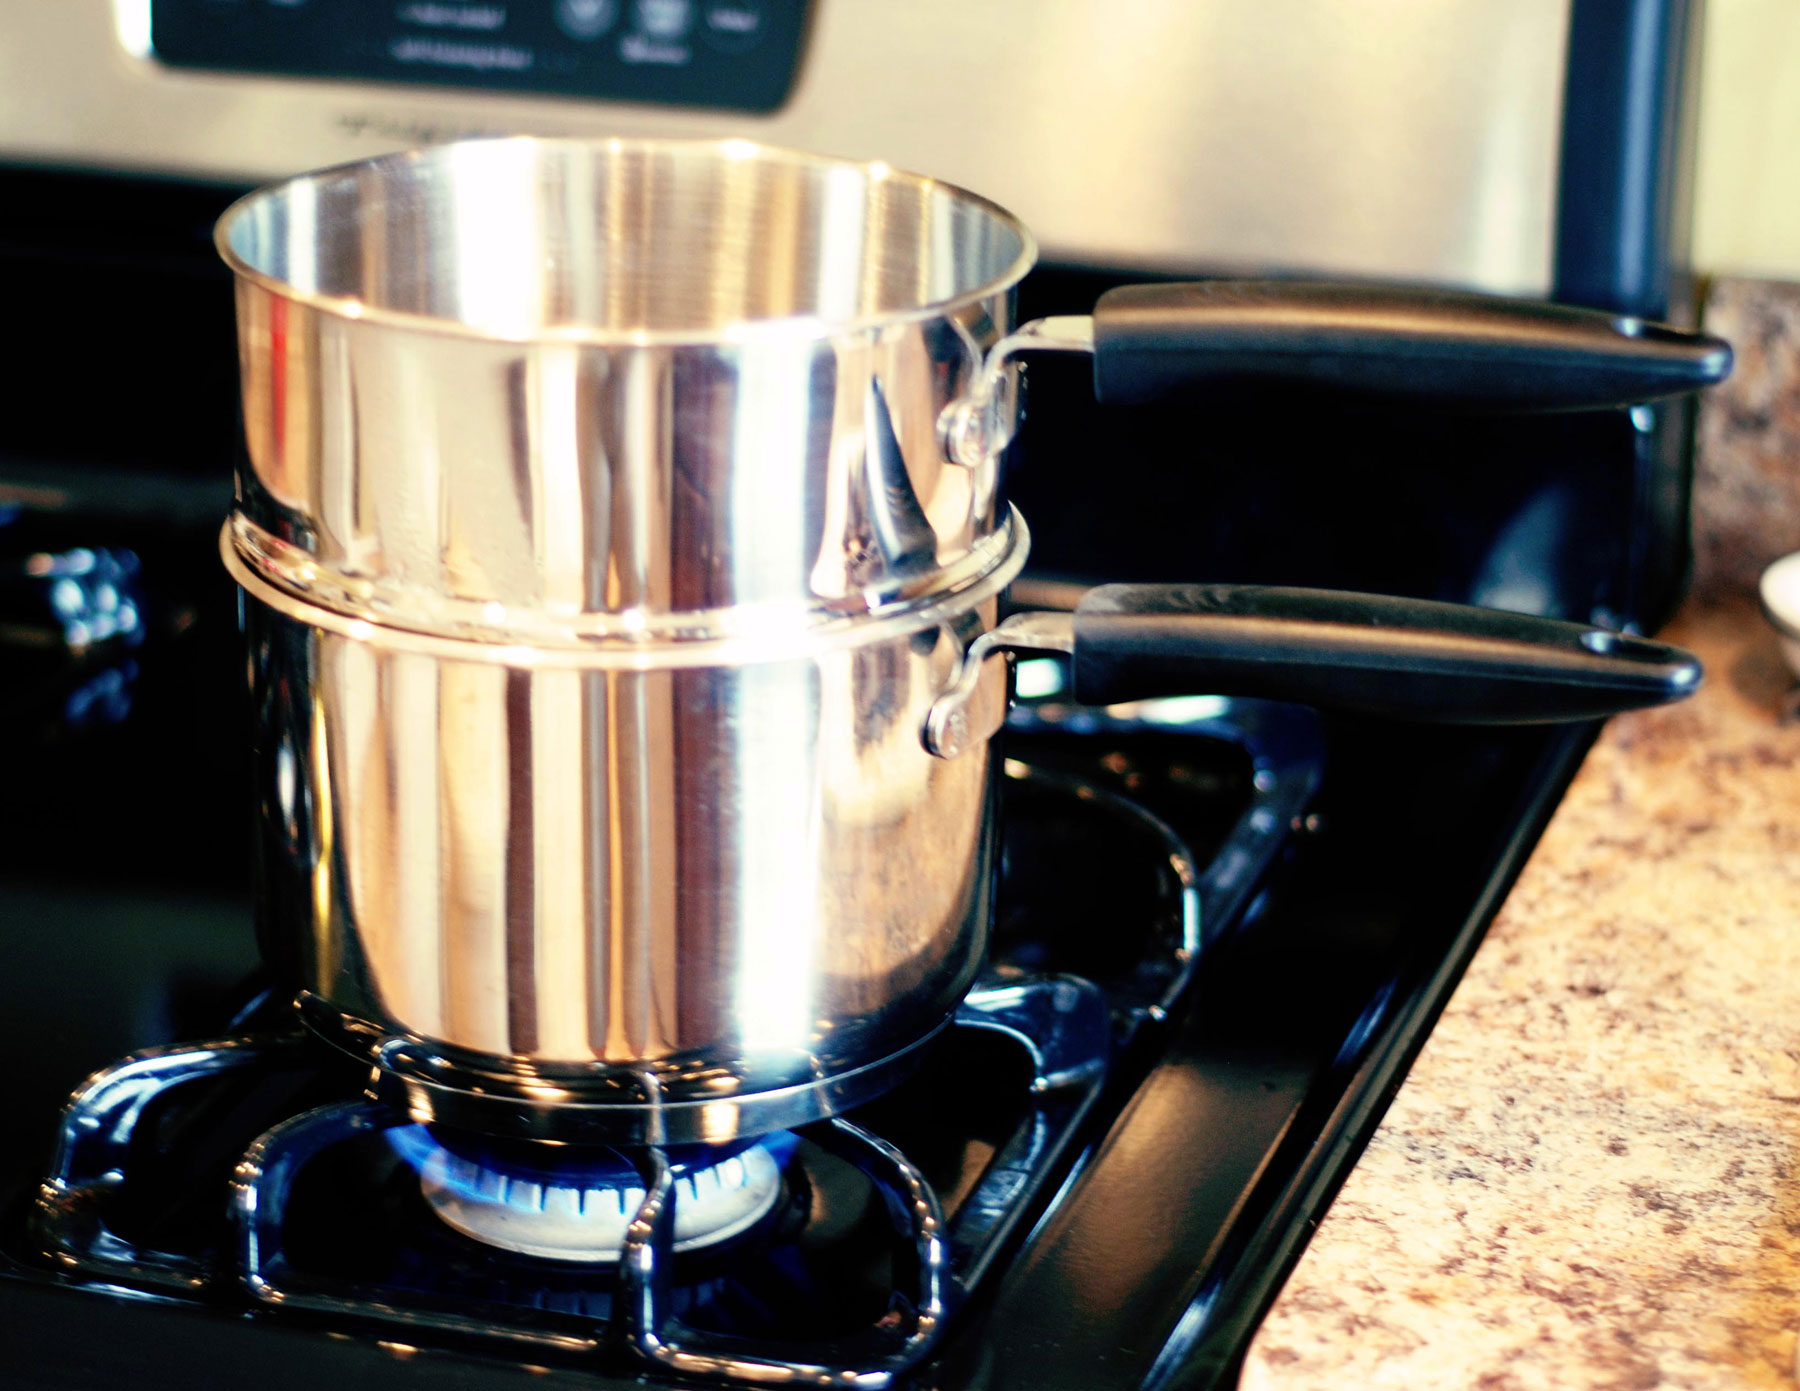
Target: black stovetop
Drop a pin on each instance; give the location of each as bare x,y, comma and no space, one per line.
1261,1013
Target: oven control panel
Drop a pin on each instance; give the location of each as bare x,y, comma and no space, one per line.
739,55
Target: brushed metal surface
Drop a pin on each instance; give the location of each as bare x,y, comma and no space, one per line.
566,392
671,886
603,564
1409,139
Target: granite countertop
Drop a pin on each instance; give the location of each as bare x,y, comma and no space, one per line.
1591,1177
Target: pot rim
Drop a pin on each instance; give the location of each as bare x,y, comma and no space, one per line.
798,327
649,650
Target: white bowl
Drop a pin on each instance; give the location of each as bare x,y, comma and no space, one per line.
1780,588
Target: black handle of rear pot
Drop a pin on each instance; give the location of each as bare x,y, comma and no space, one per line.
1367,653
1479,352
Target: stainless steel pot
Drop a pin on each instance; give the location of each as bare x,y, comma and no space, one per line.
623,545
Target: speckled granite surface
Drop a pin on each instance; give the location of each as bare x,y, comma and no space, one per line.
1747,457
1591,1179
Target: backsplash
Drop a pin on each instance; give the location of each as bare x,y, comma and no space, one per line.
1747,457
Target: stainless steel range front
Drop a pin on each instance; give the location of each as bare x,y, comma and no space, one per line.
1208,932
1419,142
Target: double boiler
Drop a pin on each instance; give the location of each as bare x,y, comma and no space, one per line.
604,565
624,538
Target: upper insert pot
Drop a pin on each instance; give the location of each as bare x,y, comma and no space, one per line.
623,542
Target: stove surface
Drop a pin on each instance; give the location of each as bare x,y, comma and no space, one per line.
1257,915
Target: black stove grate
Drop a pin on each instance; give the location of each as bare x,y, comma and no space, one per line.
252,1170
850,1280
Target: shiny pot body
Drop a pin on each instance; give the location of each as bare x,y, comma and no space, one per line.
649,394
603,561
641,885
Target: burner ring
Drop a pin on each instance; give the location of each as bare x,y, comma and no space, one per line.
514,1100
580,1212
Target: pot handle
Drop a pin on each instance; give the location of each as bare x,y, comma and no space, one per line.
1372,654
1369,653
1472,351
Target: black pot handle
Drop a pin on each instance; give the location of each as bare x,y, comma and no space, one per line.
1480,352
1368,653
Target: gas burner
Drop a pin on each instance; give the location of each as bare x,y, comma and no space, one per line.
576,1205
845,1267
835,1253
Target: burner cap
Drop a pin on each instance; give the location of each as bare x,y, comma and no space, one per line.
576,1208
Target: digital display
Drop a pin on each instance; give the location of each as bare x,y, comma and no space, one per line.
738,55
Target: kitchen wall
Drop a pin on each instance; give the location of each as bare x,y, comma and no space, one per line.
1747,179
1747,245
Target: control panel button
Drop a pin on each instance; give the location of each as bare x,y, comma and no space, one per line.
732,55
586,19
732,26
667,20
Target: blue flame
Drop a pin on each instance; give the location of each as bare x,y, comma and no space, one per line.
561,1166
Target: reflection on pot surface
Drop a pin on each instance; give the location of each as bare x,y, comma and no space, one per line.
638,869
